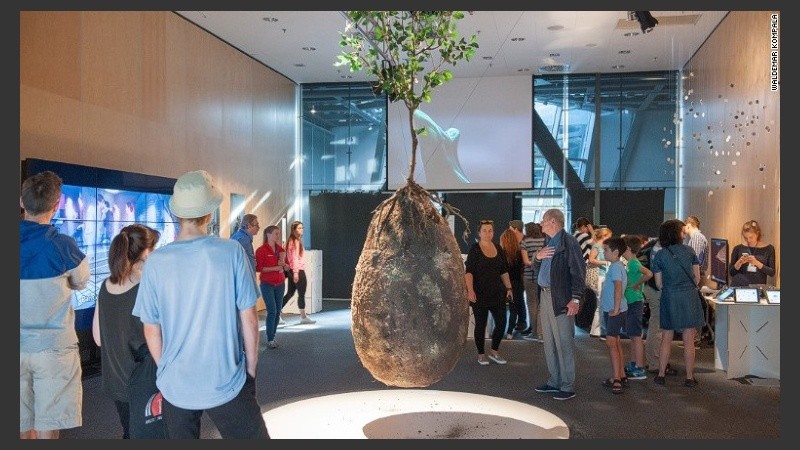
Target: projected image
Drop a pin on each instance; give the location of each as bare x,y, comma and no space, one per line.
478,137
439,151
94,216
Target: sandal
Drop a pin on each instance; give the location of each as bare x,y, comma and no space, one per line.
608,382
616,387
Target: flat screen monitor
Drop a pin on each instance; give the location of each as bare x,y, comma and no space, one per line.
719,260
478,137
746,295
773,296
93,216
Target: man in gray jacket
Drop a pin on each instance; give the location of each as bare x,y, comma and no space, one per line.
561,273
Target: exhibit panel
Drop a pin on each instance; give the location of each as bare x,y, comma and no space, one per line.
314,288
747,340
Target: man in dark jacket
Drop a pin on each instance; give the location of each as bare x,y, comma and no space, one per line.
562,279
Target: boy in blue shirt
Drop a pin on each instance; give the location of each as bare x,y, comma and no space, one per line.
614,308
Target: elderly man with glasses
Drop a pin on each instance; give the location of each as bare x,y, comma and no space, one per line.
561,273
248,228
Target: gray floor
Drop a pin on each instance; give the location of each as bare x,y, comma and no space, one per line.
320,359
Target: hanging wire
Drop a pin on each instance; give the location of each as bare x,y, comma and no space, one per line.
482,76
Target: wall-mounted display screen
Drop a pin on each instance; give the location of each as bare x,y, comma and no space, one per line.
478,137
93,216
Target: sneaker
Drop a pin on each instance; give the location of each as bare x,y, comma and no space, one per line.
546,388
637,373
281,321
306,320
509,337
483,361
602,337
498,359
563,395
272,344
531,337
660,380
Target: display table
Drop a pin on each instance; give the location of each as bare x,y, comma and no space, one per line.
747,339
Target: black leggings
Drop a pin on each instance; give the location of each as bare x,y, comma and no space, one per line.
300,287
481,314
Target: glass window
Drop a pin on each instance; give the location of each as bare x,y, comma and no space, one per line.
344,137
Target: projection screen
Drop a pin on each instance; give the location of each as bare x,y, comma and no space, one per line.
479,137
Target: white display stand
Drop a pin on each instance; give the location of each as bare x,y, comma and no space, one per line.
313,260
747,339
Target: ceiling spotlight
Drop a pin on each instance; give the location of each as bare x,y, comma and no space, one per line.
313,110
645,19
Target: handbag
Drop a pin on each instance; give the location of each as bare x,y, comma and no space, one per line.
145,398
592,277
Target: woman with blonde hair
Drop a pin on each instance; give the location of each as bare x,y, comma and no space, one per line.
753,260
597,260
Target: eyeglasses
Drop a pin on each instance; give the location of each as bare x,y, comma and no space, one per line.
487,222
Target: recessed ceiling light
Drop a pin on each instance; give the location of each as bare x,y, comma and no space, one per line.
269,19
555,55
487,58
299,65
624,52
524,70
310,49
591,45
517,39
631,33
555,27
618,66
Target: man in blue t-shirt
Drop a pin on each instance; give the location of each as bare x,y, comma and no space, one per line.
197,301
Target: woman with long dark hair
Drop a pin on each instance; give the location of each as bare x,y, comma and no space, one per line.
677,273
119,331
488,288
295,258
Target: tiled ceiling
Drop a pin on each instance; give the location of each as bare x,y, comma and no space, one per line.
303,45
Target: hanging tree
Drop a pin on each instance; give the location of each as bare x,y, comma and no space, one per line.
410,312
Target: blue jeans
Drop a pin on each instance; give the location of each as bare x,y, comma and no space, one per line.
273,296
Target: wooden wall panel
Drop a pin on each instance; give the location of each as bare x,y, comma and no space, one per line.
154,79
49,44
111,60
731,158
150,92
49,124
